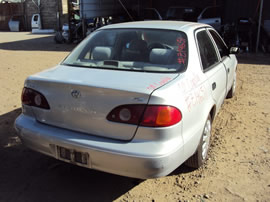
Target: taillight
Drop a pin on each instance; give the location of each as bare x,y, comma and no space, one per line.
34,98
160,116
126,114
146,115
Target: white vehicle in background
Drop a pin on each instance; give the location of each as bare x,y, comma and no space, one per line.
36,21
182,13
134,99
211,15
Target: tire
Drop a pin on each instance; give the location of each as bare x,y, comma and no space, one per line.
200,156
232,90
58,38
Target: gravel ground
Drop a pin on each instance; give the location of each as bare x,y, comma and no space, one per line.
238,165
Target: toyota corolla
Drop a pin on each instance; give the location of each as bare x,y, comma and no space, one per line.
134,99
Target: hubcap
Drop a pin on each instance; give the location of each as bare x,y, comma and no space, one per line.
206,138
234,83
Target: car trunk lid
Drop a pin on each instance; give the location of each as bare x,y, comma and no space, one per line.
81,98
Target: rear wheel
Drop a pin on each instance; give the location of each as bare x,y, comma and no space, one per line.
232,90
200,156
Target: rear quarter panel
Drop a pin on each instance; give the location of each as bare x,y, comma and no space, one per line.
191,94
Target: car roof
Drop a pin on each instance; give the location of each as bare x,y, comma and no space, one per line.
158,24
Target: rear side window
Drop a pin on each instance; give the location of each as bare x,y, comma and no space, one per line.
222,48
207,50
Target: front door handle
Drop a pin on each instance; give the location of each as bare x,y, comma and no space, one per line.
214,85
228,70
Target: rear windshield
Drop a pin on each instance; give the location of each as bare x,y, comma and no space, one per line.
132,49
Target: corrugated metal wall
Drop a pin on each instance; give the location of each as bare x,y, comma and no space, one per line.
233,9
101,8
9,10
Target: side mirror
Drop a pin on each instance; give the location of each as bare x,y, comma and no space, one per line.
234,50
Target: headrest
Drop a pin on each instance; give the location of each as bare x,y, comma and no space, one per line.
163,56
102,53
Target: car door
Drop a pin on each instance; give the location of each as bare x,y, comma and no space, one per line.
226,59
213,69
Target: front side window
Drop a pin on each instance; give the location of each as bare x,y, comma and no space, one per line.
222,48
207,50
132,49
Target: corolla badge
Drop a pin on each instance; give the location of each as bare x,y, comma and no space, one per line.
75,94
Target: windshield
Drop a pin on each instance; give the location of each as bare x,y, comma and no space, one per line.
132,49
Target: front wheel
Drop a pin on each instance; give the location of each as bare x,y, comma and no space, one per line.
200,156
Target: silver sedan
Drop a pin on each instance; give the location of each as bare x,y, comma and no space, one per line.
134,99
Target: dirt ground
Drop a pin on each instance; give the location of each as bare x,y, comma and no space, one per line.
238,168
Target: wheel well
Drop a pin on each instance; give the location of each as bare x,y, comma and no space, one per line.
213,112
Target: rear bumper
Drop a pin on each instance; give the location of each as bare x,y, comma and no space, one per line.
132,159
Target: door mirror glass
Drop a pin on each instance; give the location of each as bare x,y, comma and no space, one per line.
234,50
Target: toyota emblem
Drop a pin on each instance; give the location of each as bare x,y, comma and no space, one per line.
75,94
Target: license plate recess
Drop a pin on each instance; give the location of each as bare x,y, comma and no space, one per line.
73,156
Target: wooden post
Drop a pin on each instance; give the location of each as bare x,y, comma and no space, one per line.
259,26
69,24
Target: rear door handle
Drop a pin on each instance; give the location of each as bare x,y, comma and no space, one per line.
228,70
214,85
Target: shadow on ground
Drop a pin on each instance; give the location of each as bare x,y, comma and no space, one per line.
252,58
45,43
26,175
